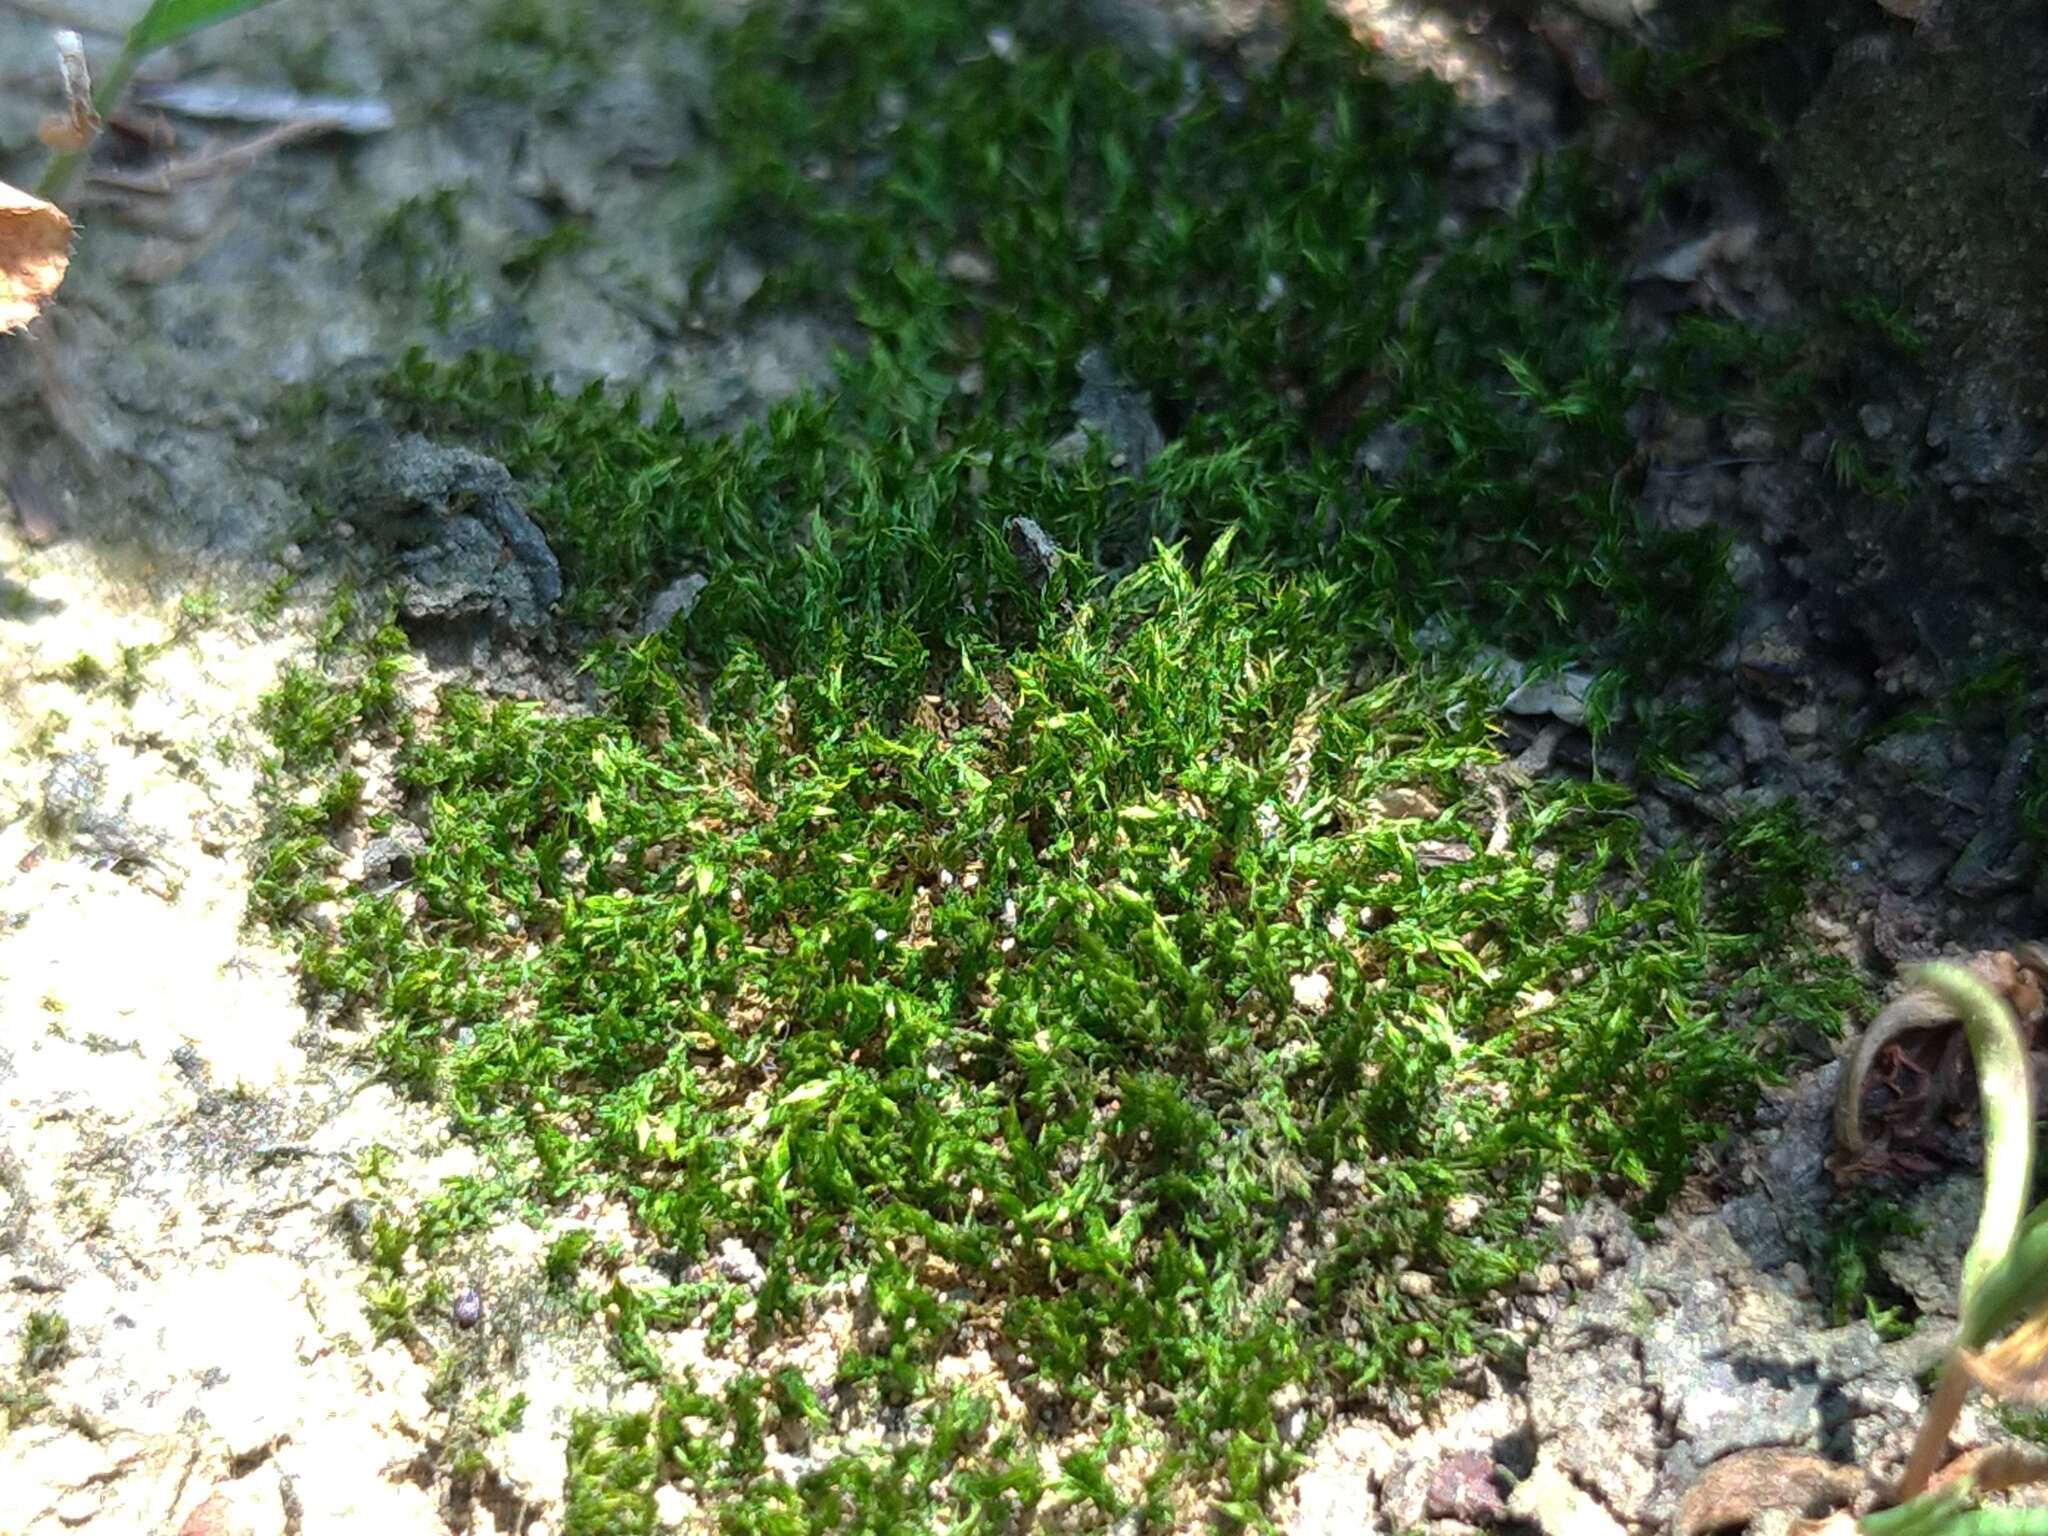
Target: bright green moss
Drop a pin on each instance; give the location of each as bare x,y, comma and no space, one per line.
1037,957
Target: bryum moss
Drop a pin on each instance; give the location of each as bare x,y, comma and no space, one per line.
1042,957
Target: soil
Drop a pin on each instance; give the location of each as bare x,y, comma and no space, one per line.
183,1151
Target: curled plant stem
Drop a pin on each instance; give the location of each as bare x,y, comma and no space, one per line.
2006,1087
1916,1010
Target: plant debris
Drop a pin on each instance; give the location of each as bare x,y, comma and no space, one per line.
1912,1057
35,250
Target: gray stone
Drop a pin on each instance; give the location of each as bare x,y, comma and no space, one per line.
1762,741
1927,1264
1985,443
466,550
674,601
1561,695
1404,1496
1916,868
1801,724
1110,406
1997,859
75,813
1386,451
72,790
1033,549
1687,1350
1592,1415
389,859
1782,1170
1909,758
1720,1412
1549,1500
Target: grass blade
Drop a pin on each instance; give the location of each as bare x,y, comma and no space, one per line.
168,20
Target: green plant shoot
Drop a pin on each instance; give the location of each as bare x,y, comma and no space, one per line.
162,24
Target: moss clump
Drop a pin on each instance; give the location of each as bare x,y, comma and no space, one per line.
1029,959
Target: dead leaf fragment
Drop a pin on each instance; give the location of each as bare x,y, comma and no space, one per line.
72,131
35,248
1993,1469
1737,1488
1401,803
2015,1369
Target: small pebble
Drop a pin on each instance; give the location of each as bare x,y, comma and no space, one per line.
672,1506
469,1308
1542,1280
967,266
1463,1488
1311,992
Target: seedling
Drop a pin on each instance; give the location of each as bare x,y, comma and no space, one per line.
2001,1341
164,23
45,1344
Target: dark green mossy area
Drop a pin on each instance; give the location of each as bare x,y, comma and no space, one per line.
1144,970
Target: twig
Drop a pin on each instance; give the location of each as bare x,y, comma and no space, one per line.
1688,469
166,179
249,104
1932,1444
